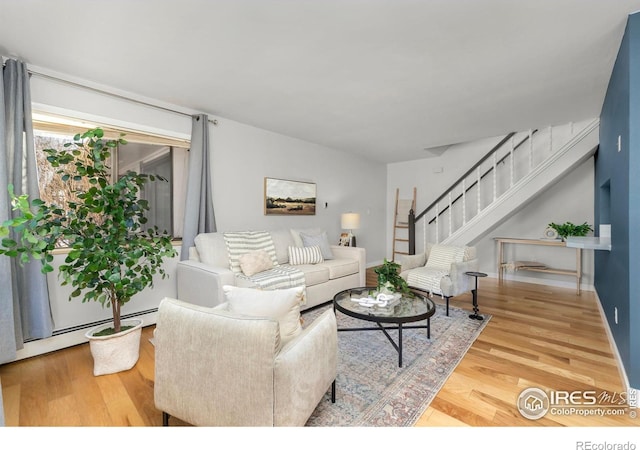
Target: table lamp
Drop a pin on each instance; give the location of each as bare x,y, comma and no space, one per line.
350,221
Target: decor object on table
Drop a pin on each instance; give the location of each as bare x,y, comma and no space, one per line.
440,269
281,382
350,221
550,233
372,390
211,266
286,197
389,279
569,229
112,255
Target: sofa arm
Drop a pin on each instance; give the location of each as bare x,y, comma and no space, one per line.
304,371
201,284
358,253
458,282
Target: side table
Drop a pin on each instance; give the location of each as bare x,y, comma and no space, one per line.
474,292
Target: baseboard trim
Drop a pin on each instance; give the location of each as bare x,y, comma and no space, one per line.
614,346
543,281
70,337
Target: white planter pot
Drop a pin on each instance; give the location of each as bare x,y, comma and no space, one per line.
117,352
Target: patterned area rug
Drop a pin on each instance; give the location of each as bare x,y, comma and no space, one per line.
371,390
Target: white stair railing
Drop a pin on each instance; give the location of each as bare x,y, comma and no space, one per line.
521,159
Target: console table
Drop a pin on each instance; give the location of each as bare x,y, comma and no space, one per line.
546,242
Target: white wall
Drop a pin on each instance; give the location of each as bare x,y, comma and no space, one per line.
571,199
242,156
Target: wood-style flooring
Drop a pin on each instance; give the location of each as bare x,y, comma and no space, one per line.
539,336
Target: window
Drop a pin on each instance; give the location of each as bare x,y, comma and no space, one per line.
143,153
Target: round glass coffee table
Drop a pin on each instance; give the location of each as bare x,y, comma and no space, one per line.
403,309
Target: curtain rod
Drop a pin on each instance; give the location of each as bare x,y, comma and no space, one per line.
102,91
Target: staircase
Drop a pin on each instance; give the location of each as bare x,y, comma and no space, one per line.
512,174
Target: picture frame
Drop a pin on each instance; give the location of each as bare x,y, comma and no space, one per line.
345,240
289,198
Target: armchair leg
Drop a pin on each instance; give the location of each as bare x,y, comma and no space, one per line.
333,391
447,299
165,419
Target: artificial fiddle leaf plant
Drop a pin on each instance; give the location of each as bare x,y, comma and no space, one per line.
111,255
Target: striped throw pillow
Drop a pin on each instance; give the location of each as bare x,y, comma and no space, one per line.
442,256
305,255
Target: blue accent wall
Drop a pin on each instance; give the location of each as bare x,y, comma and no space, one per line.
617,192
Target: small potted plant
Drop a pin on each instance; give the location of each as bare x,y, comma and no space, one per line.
569,229
111,254
389,279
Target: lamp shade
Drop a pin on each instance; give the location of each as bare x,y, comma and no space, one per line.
350,221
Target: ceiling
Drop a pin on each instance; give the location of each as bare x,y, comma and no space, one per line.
384,79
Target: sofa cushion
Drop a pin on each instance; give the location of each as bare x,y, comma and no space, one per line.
339,268
280,304
305,255
282,240
314,273
442,256
255,262
321,240
241,242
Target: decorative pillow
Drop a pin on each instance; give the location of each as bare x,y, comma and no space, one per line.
239,243
280,304
295,234
305,255
255,262
442,256
321,240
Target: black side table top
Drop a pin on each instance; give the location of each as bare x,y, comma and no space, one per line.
476,274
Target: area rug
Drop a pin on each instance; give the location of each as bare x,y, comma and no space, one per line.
371,390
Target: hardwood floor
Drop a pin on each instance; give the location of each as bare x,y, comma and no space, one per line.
538,336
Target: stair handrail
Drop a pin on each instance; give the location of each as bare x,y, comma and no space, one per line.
515,147
467,173
413,218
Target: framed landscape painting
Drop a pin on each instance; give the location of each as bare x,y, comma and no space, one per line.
286,197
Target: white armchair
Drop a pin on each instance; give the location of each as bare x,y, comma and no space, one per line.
216,367
440,270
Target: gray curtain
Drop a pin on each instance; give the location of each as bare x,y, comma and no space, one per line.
25,312
198,211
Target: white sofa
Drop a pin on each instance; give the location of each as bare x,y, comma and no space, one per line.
201,278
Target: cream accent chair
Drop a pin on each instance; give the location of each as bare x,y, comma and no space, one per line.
440,270
214,367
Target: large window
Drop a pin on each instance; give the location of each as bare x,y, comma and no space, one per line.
143,153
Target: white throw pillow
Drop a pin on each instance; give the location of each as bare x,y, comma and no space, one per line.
255,262
305,255
442,256
280,304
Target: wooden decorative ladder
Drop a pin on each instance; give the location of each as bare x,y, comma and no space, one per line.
401,222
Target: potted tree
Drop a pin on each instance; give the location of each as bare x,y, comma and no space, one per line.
112,255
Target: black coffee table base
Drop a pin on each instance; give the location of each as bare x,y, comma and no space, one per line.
398,345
